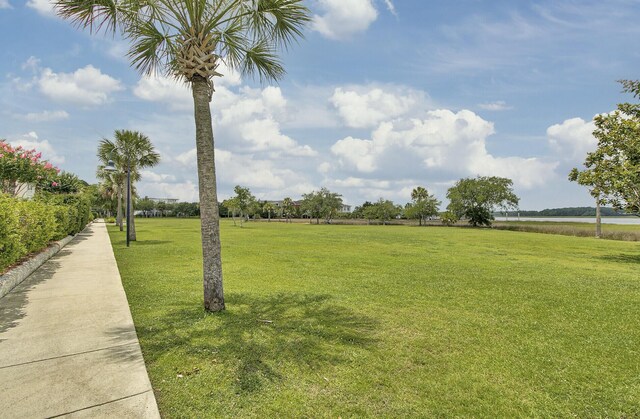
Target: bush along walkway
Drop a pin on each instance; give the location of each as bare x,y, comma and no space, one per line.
67,340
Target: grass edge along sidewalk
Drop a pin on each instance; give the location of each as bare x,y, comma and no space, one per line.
387,321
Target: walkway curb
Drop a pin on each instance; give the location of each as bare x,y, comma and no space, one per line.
16,275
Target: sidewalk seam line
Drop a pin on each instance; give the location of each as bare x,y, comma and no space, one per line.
99,404
66,356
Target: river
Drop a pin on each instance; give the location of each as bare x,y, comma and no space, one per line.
592,220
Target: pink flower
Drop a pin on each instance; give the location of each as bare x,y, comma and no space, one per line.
48,165
54,184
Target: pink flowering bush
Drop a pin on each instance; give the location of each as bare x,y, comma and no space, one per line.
19,166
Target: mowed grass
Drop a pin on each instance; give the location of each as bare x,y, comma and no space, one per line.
395,321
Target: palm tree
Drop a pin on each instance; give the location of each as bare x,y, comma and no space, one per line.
269,208
130,150
188,39
113,182
287,208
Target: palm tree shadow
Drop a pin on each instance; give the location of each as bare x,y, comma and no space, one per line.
13,305
262,336
622,258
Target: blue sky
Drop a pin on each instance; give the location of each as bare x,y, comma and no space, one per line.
381,96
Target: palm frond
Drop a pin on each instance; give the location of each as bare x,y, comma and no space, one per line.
92,14
262,59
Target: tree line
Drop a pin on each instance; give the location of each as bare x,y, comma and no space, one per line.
471,199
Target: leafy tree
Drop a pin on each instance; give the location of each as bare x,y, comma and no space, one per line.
383,210
189,40
476,199
322,204
613,170
359,211
145,205
245,202
423,205
233,206
130,151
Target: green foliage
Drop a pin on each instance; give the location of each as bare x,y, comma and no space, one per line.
63,216
423,205
449,218
376,322
322,204
11,248
145,205
288,208
383,210
613,170
359,211
28,226
245,202
37,224
64,183
476,199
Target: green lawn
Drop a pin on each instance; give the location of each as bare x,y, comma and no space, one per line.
395,321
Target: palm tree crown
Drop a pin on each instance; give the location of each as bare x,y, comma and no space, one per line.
189,38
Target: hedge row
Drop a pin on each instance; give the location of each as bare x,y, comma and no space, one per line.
29,226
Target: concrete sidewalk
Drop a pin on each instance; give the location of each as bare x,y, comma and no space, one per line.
67,341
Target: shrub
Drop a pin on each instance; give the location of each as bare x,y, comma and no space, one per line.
11,248
37,224
63,221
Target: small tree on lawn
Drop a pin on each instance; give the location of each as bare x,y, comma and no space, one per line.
613,169
423,205
477,198
245,202
322,204
383,210
268,207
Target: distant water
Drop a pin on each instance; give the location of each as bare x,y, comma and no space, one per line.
592,220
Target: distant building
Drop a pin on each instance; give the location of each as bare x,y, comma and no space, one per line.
165,200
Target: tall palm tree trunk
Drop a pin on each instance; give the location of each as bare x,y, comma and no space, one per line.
132,231
209,217
119,213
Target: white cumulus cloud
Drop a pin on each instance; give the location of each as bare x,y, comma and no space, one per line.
344,18
4,4
44,7
32,141
572,139
366,106
86,86
445,144
165,90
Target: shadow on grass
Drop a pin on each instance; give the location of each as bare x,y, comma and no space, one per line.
259,337
149,242
622,258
